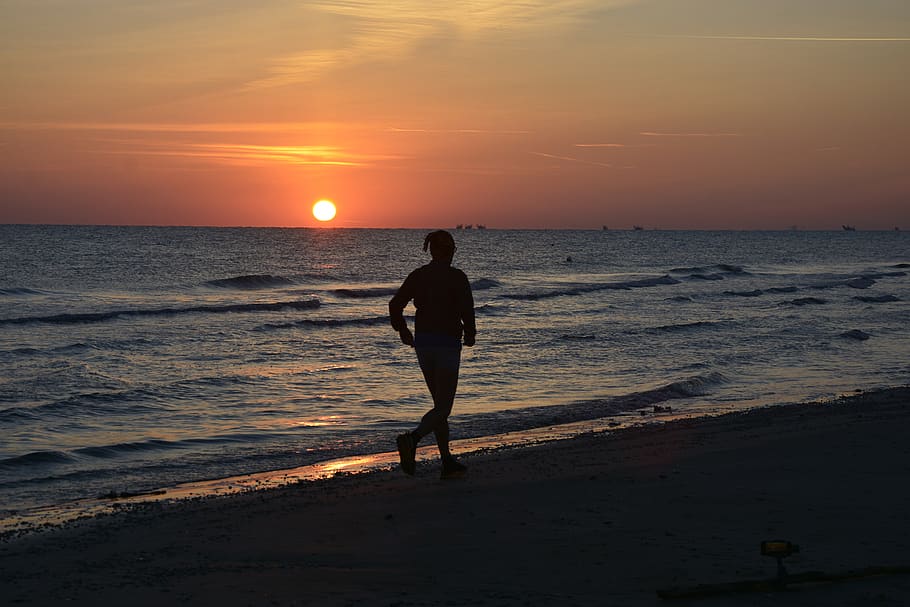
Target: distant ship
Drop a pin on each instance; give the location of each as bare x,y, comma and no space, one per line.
637,228
605,228
849,228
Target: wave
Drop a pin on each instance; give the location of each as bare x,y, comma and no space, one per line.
370,292
698,385
93,317
89,403
116,345
492,309
782,290
884,274
106,452
482,284
806,301
713,270
37,458
877,298
536,417
157,444
591,288
687,326
755,293
250,282
21,291
367,321
863,282
127,401
577,336
698,276
365,293
855,334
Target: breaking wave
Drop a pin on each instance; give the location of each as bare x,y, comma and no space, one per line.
368,321
688,326
594,287
482,284
92,317
807,301
714,270
877,298
365,293
855,334
21,291
36,458
535,417
251,282
754,293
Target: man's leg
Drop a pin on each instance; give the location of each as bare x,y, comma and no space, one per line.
440,370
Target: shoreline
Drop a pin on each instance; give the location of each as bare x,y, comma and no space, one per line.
46,516
602,518
23,521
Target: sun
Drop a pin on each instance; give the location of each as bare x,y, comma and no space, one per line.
324,210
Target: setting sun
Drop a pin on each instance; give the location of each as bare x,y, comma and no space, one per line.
324,210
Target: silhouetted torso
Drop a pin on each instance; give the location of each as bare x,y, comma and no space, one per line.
444,302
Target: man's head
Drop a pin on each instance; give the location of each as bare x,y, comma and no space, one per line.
441,245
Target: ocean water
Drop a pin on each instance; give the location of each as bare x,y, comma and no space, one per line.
133,358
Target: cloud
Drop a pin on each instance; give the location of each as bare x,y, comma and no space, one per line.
798,38
253,155
570,159
391,29
459,131
144,127
600,145
659,134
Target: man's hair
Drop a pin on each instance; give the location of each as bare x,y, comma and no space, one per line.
440,243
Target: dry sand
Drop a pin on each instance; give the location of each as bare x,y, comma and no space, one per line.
604,519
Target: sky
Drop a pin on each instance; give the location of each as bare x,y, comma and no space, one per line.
670,114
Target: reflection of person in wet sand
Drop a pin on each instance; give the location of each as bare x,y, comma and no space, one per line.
445,312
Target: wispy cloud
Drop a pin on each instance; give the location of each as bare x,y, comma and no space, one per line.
253,155
798,38
388,30
459,131
155,127
571,159
600,145
664,134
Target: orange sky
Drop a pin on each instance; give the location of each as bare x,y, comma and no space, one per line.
702,114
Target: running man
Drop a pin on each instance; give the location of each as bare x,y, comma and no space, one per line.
445,313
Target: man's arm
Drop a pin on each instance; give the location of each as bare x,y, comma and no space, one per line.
396,311
467,314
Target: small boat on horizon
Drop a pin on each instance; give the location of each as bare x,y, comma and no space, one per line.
637,228
849,228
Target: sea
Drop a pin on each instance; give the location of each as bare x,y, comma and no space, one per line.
135,358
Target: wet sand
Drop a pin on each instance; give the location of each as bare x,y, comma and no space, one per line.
603,519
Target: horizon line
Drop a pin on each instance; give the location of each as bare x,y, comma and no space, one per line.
454,229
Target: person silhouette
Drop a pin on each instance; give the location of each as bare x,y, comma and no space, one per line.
445,316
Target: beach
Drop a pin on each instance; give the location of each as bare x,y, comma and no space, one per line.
601,519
